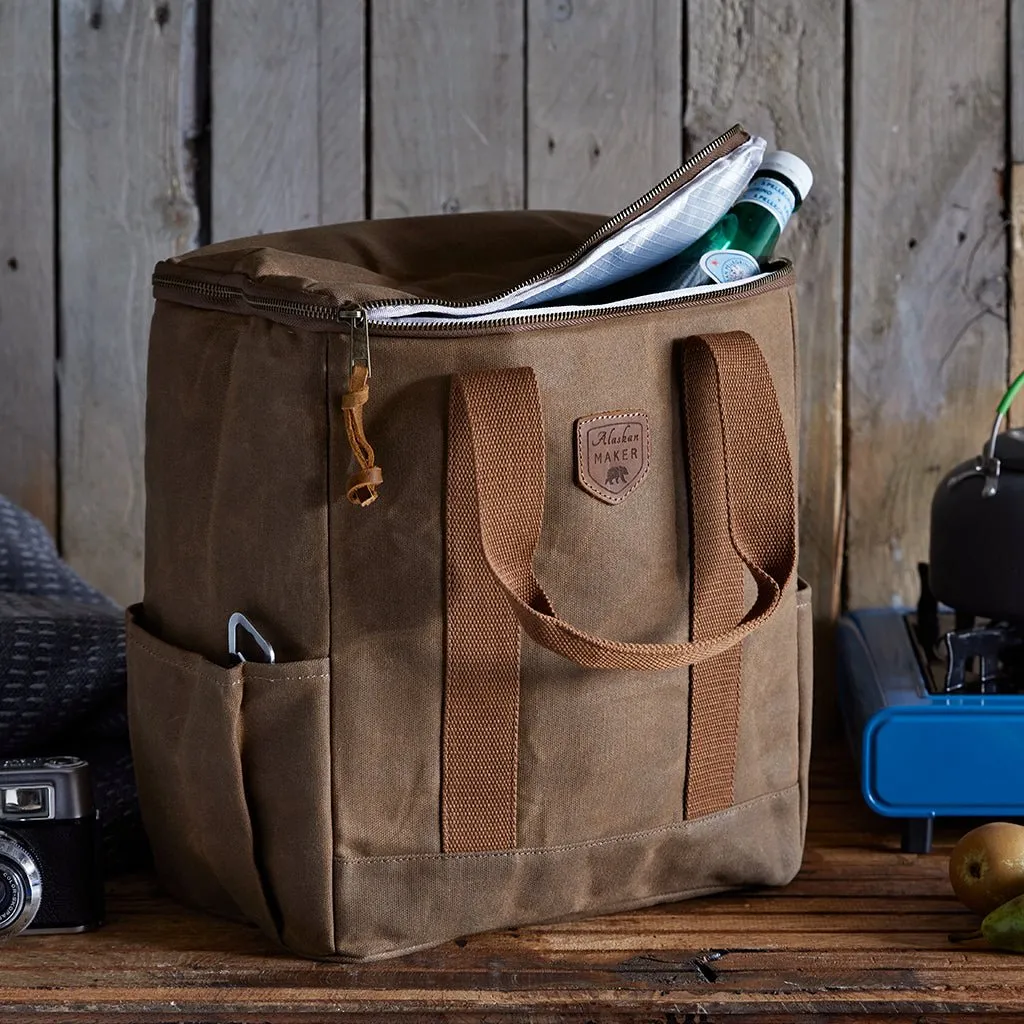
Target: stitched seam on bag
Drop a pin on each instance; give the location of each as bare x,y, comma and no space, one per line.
795,343
209,669
203,669
332,780
680,826
281,679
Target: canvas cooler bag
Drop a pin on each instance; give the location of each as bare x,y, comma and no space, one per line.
523,550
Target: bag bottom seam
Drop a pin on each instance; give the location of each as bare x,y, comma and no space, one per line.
568,848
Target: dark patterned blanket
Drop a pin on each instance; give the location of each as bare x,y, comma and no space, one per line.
62,675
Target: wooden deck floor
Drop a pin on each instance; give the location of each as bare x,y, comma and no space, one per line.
860,935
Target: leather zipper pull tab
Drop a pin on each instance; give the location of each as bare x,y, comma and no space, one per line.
363,483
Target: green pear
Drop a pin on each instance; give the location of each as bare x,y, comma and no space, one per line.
1003,927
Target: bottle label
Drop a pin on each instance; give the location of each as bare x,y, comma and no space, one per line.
773,196
729,265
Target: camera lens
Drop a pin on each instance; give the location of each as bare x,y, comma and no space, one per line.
12,895
21,887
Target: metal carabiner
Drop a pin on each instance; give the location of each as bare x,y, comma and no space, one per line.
238,621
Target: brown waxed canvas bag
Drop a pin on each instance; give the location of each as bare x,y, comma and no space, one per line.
524,546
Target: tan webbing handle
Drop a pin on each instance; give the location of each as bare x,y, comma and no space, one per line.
499,413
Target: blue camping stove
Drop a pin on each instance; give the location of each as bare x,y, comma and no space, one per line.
933,704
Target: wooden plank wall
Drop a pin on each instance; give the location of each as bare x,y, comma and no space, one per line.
28,413
272,166
773,67
927,345
143,127
126,118
595,141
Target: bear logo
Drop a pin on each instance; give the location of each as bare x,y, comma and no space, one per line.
616,475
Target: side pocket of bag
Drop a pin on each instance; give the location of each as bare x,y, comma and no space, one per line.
233,770
805,671
184,716
286,765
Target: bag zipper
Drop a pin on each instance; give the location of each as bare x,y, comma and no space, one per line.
363,484
352,312
357,315
783,272
720,147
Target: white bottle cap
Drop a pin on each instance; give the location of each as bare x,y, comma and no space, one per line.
792,167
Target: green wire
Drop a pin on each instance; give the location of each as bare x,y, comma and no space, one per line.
1011,394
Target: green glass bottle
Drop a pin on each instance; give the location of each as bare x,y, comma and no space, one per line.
743,241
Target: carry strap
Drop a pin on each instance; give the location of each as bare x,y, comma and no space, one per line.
497,440
716,602
482,641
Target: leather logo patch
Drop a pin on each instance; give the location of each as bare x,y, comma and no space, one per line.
613,454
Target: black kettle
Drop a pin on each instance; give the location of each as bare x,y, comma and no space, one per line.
977,529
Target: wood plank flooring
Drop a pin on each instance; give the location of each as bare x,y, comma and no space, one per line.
861,934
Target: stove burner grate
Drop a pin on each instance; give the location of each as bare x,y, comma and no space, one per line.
961,654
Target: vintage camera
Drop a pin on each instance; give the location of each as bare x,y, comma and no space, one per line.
50,877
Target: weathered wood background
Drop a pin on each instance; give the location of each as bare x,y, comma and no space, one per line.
132,129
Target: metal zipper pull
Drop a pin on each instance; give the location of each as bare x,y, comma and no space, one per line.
359,338
363,483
